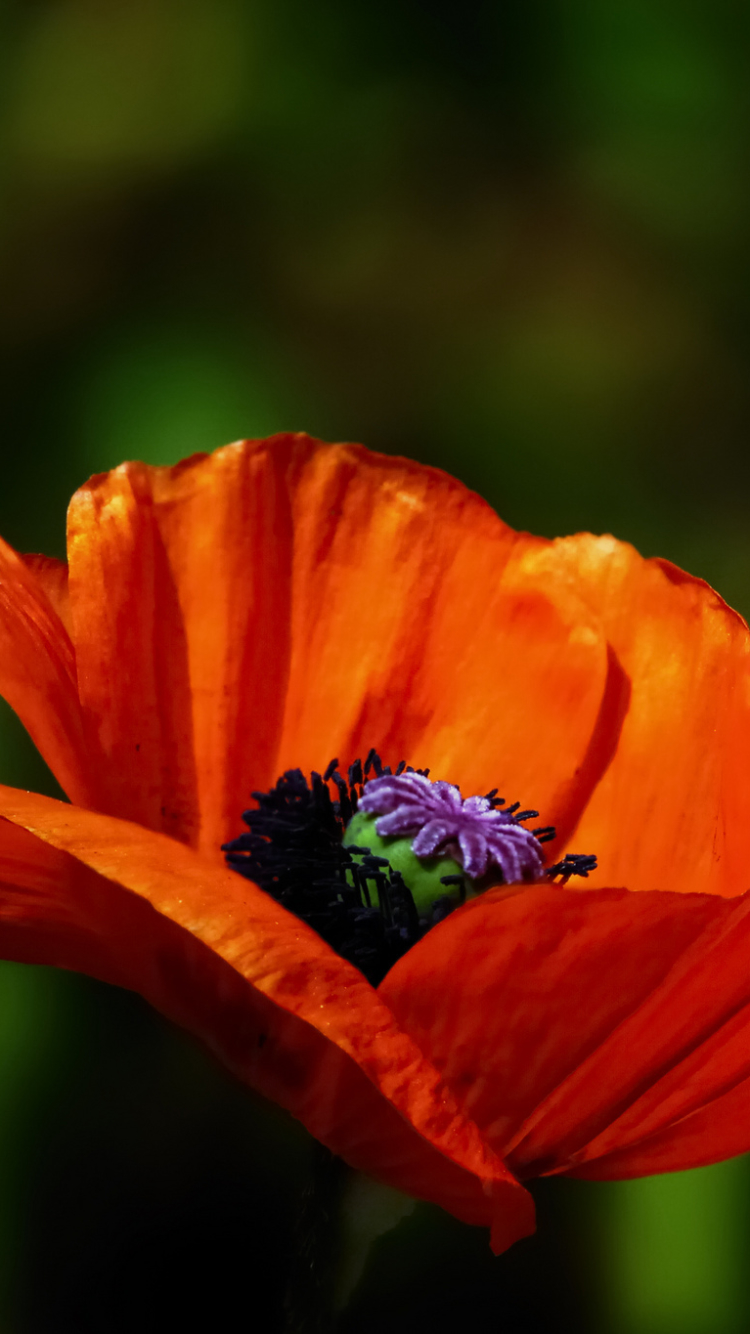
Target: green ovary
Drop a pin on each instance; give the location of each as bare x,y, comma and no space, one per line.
421,875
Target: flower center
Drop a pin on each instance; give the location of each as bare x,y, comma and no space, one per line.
374,867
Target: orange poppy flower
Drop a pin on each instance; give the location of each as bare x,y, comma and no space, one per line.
280,602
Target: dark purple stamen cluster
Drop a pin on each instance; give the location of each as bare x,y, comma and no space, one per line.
293,850
357,902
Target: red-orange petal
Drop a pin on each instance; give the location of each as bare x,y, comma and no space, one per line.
415,629
282,601
573,1026
290,1017
52,575
670,812
714,1132
38,675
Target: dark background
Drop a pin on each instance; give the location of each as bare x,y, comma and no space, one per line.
510,239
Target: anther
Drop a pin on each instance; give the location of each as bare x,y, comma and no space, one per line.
575,863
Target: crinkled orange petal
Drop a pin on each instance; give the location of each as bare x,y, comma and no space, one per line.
716,1131
38,675
52,575
671,810
133,673
572,1026
281,602
219,956
414,629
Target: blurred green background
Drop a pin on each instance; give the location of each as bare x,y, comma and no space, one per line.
507,238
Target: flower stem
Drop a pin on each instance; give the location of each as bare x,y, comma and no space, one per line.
309,1298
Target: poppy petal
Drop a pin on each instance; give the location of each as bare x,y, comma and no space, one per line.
574,1025
52,574
283,601
290,1017
711,1134
134,688
38,675
670,812
415,629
